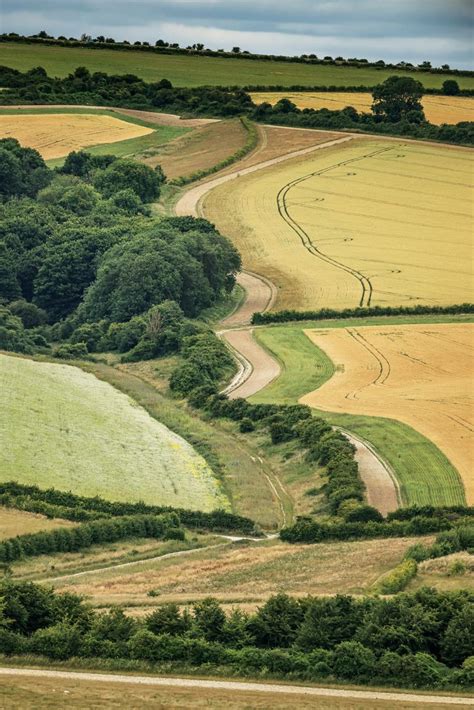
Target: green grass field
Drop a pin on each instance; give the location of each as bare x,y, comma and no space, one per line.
64,428
182,70
136,148
424,473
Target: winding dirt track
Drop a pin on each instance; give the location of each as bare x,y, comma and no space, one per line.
256,367
240,686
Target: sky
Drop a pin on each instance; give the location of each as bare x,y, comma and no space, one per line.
411,30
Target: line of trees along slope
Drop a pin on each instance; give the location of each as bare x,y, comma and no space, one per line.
422,640
396,108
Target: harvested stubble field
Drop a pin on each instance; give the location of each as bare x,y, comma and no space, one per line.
64,428
369,222
55,135
305,367
438,109
19,522
183,70
246,573
417,374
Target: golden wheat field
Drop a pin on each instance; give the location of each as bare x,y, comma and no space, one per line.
367,222
438,109
57,134
418,374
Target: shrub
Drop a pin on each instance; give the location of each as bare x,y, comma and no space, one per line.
71,351
396,580
246,425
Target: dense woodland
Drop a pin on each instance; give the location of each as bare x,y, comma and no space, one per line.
397,109
85,266
422,640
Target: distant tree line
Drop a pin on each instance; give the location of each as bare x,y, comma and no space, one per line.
163,47
62,504
396,111
372,311
96,532
420,640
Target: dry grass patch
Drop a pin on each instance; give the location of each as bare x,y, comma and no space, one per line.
18,522
370,222
97,557
248,572
205,147
56,135
438,109
417,374
41,693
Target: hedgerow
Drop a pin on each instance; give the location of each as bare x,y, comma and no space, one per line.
91,533
372,311
63,504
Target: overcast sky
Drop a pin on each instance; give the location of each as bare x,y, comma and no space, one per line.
393,30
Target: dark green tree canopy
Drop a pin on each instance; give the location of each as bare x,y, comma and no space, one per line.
22,170
396,97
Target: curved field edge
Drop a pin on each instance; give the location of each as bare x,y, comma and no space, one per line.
129,147
65,428
424,473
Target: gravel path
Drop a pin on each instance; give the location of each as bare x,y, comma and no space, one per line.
241,686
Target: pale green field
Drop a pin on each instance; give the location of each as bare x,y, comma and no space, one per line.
61,427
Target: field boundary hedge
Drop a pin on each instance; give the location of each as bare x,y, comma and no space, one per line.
95,532
304,59
250,144
54,503
287,316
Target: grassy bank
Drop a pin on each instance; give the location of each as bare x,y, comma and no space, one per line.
200,71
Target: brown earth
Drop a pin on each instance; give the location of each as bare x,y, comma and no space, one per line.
205,147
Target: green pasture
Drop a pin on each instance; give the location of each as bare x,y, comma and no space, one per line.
64,428
184,70
424,473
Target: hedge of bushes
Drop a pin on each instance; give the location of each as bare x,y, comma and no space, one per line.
422,640
67,505
456,540
309,531
91,533
372,311
321,444
396,580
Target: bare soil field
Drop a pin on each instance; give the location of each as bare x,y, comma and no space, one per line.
438,109
56,135
205,147
368,222
418,374
18,522
245,573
